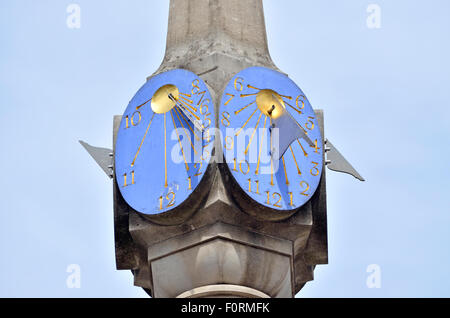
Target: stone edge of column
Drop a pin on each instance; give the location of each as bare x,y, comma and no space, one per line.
223,290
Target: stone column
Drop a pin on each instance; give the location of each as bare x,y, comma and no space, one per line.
215,38
220,250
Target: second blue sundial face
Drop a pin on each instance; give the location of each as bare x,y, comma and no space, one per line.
164,143
250,105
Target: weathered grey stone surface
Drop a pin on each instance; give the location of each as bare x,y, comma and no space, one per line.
221,253
216,38
223,291
220,244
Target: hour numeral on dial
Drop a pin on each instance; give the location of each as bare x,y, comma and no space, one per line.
205,155
202,94
239,84
234,165
277,197
170,198
134,121
207,135
229,143
206,120
310,122
228,101
189,183
199,168
300,98
291,199
298,108
225,119
125,179
240,166
314,170
250,186
195,87
305,185
204,107
316,148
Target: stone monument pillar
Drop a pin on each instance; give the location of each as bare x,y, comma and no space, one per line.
217,249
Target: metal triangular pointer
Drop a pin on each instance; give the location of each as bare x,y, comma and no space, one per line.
337,162
289,131
102,156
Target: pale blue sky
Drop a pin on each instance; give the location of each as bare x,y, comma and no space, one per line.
385,93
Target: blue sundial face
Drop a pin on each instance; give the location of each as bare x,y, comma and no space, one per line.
161,156
250,105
